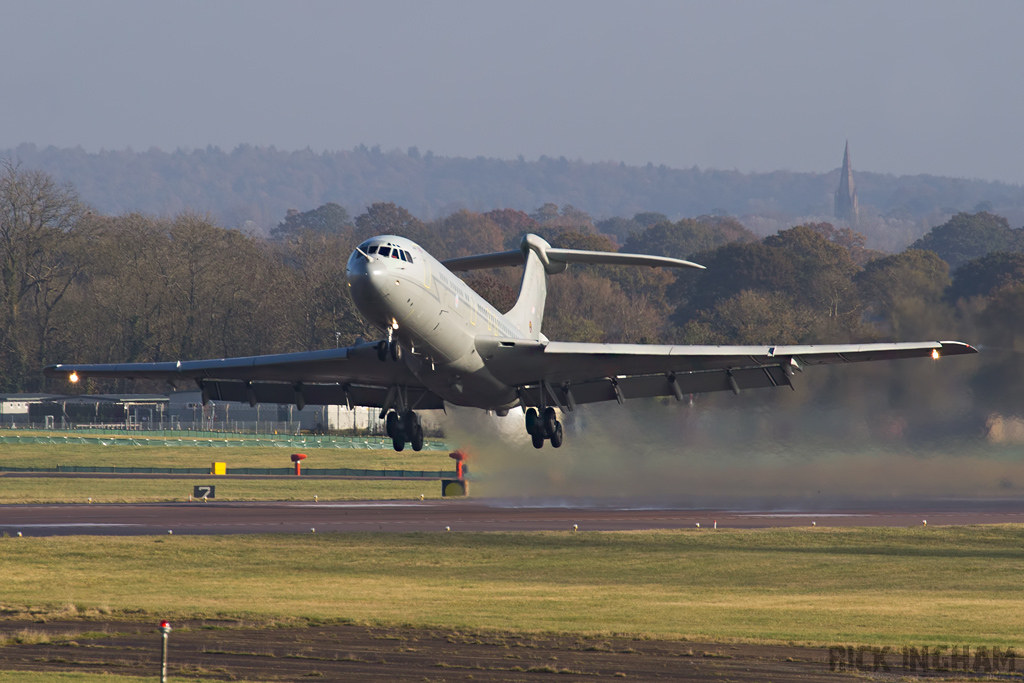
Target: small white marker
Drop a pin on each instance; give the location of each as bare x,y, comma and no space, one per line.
447,528
169,532
698,525
924,522
312,530
814,524
421,496
716,523
316,499
19,534
575,527
90,501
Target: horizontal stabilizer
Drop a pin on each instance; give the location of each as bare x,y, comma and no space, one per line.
551,255
614,258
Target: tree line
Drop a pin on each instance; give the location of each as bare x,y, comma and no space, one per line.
81,286
252,185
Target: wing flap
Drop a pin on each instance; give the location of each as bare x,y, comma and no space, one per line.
602,372
314,394
324,377
649,386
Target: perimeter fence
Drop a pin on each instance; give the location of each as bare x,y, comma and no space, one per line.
216,440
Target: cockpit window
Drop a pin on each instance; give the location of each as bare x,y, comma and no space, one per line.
408,256
372,249
384,251
395,253
402,253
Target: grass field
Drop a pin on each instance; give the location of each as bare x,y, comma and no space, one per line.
54,677
43,455
79,490
873,586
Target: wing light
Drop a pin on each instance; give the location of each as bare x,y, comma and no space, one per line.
73,378
935,354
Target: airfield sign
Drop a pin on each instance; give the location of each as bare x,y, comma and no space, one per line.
204,492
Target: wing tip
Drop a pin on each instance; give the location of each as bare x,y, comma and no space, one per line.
955,348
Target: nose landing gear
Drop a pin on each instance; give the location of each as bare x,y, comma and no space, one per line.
387,348
544,427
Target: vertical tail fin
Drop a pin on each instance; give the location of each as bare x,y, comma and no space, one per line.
528,313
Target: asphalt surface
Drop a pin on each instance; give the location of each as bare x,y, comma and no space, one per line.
466,515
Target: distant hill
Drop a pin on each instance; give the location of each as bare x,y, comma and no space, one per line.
257,185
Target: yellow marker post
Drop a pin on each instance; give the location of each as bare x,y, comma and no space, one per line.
219,468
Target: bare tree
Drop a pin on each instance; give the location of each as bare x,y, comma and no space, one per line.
41,239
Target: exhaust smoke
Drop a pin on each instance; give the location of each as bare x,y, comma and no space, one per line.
744,452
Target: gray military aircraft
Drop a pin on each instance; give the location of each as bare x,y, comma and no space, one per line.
444,343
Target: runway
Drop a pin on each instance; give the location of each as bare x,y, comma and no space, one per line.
465,515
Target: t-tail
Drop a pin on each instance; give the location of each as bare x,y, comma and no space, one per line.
541,260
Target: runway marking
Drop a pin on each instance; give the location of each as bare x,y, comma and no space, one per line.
69,524
356,505
806,514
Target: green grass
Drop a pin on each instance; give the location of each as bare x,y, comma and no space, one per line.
873,586
55,677
79,490
43,455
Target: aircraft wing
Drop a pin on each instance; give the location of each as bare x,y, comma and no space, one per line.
344,376
569,373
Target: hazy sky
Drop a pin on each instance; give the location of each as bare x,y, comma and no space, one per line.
917,87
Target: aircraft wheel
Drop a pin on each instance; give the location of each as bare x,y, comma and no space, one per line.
382,351
538,439
391,424
550,420
417,438
556,438
409,422
399,441
396,350
531,420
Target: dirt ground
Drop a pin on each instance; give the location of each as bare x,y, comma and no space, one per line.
233,651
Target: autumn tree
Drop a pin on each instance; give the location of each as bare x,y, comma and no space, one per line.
968,236
462,233
983,276
328,219
387,218
686,237
513,225
904,291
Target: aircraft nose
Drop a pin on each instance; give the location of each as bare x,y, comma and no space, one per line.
362,275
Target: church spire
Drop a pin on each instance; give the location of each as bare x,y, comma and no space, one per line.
846,208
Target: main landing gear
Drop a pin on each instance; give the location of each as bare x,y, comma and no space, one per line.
543,426
403,429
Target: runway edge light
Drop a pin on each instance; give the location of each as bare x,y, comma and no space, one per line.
165,628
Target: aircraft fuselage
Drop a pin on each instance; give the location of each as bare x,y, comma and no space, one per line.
433,315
